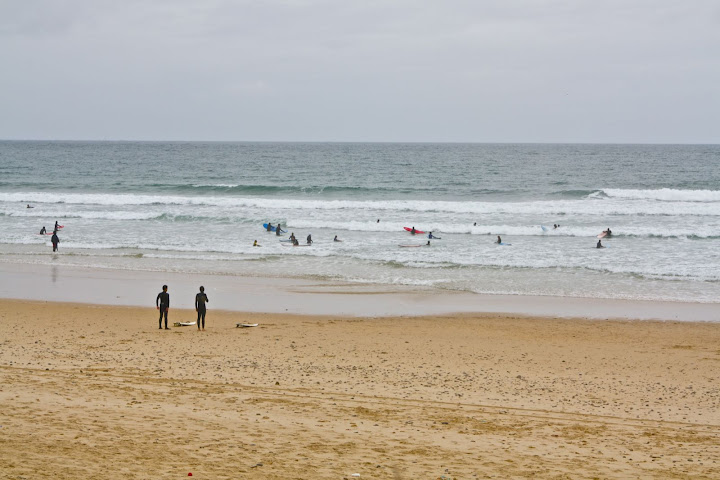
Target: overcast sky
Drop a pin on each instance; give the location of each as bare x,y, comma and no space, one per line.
627,71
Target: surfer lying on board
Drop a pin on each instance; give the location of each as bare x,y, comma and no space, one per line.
499,240
28,206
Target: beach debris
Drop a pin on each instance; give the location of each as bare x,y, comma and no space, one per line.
189,474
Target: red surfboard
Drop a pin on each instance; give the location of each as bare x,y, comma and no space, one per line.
410,230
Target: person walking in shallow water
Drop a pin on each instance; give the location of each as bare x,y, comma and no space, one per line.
162,302
200,300
55,240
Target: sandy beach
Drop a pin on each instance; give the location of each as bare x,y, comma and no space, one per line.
94,391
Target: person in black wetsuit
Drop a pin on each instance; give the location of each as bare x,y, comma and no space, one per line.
269,227
309,240
200,300
43,231
56,226
599,244
278,231
55,240
499,240
162,302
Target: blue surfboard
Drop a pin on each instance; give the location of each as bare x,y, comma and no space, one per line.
272,229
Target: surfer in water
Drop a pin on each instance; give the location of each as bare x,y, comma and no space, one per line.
295,242
43,231
255,244
28,206
599,244
200,300
608,232
292,236
430,235
277,230
162,302
427,244
309,240
269,227
336,239
413,230
55,240
499,240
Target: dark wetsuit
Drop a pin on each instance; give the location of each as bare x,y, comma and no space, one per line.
163,301
43,231
55,240
200,300
278,231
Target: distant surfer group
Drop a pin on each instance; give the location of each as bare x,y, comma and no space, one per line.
162,303
54,239
292,240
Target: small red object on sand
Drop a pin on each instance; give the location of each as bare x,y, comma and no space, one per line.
189,474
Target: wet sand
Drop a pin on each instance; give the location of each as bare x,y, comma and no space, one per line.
63,283
94,391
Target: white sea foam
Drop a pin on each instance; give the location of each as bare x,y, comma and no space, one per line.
541,208
665,194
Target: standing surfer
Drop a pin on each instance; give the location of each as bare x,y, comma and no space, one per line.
200,300
55,240
162,302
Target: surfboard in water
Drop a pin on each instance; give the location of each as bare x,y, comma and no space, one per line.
272,229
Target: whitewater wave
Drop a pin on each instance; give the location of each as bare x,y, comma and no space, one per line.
544,207
663,194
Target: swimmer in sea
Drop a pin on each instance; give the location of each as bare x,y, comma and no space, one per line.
499,240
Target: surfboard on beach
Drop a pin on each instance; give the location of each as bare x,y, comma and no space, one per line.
246,325
183,324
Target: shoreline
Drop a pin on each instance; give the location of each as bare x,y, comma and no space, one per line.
95,286
460,396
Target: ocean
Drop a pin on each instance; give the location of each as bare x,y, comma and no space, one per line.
197,208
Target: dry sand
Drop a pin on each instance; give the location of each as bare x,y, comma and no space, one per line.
98,392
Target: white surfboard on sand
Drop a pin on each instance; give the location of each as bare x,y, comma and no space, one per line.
183,324
246,325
